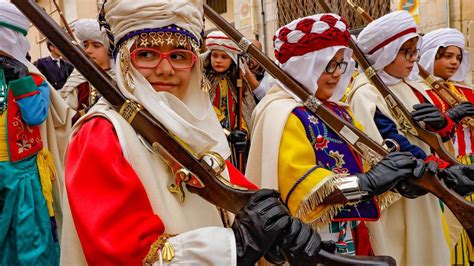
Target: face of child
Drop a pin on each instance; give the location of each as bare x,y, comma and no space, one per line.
167,67
220,61
406,58
447,62
97,52
327,82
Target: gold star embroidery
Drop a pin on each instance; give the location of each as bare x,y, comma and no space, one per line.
339,158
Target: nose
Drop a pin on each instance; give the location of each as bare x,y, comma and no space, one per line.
88,50
337,73
164,68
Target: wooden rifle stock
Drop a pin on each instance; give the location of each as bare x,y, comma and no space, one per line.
359,141
445,93
214,191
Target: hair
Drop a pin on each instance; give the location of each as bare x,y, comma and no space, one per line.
232,72
49,44
410,42
442,50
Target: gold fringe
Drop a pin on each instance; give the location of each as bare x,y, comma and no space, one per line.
307,209
386,199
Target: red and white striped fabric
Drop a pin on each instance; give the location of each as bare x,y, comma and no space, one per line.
305,46
217,40
310,34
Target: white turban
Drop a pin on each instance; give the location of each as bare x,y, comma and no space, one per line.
306,45
192,119
382,38
126,16
88,29
443,38
13,29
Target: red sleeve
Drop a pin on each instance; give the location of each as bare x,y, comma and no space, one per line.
111,211
237,178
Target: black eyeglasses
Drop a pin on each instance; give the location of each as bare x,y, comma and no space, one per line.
410,53
333,65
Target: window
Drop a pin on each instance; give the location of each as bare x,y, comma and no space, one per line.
220,6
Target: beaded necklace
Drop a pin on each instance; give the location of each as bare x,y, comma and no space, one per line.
3,92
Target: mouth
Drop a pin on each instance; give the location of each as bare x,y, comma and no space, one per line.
163,86
451,69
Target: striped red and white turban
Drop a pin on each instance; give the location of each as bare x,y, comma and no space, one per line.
381,40
217,40
305,46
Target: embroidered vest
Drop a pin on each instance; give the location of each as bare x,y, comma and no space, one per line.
23,140
334,154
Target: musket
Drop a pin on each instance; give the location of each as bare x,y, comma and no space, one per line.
452,99
398,110
371,151
189,170
63,19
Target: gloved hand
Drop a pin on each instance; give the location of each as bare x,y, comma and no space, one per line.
429,114
300,245
13,68
238,139
258,225
387,173
459,178
458,112
237,136
411,191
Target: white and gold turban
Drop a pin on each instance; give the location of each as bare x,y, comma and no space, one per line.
444,37
192,118
13,29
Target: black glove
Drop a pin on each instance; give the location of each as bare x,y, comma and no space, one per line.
429,114
411,191
387,173
238,139
13,68
458,112
300,245
459,178
258,225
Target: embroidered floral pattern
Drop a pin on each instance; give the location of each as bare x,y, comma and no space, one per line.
321,143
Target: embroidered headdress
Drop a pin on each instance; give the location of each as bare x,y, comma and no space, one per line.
153,23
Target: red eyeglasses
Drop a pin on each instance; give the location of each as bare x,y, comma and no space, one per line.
151,58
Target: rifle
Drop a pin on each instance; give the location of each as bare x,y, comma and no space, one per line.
371,151
445,93
195,173
63,19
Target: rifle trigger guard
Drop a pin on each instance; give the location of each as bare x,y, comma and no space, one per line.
244,44
396,146
215,158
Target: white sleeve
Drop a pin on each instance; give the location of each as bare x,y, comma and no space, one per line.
204,246
265,84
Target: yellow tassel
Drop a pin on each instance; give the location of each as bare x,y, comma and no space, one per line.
47,173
